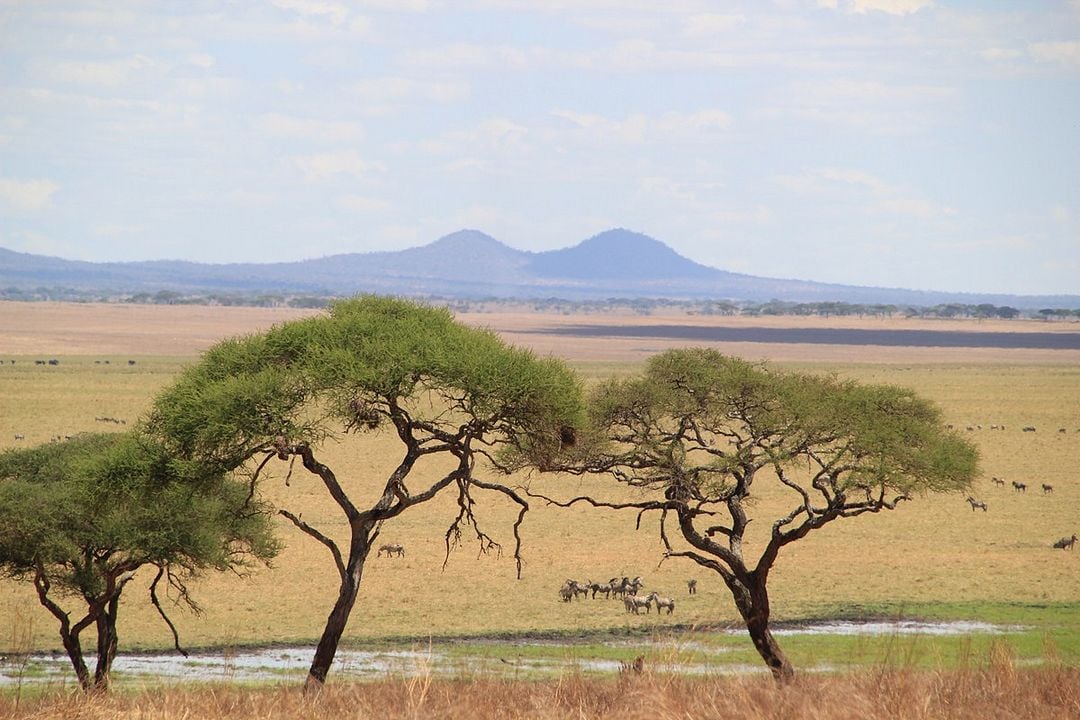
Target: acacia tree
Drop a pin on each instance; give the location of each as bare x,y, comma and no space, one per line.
441,389
79,518
702,430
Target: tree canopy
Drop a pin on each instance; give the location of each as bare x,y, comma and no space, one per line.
702,429
79,517
371,364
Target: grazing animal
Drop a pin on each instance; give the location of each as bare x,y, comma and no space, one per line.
54,361
634,604
637,665
634,585
661,602
20,436
1061,430
970,428
998,481
131,362
691,587
1047,489
976,504
1065,543
391,549
1019,486
1029,428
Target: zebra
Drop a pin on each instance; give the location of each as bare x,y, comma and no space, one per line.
391,549
1019,486
634,604
976,504
998,481
661,602
691,587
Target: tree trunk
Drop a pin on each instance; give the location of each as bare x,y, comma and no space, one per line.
106,643
339,615
752,600
75,654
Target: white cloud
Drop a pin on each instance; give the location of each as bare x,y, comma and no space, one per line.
385,94
1062,53
324,166
707,24
110,73
336,13
892,7
999,54
830,181
311,129
362,203
27,194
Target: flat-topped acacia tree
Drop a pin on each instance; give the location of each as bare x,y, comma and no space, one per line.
78,518
700,431
439,388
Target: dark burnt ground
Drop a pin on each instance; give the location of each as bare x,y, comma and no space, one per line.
829,336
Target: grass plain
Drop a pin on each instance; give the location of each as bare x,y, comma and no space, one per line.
934,557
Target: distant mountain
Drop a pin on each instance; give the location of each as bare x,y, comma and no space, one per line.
470,264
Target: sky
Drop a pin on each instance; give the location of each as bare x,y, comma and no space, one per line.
924,144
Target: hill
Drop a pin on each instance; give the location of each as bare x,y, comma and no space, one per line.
471,264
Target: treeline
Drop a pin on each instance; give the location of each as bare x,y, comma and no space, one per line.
640,306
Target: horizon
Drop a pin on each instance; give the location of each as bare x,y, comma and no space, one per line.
920,144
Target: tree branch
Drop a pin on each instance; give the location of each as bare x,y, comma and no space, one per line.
330,544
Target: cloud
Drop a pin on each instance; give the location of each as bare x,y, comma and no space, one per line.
324,166
383,95
336,13
27,195
636,128
708,24
311,129
830,181
1062,53
362,203
892,7
109,73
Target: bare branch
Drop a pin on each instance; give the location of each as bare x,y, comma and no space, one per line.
330,544
161,611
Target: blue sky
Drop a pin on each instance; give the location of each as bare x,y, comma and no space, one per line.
924,144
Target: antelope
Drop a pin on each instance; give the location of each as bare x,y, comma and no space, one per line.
391,549
1019,486
976,504
691,587
1047,489
1066,543
661,602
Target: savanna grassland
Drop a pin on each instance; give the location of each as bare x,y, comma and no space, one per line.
932,558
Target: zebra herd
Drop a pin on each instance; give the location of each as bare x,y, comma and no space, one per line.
625,588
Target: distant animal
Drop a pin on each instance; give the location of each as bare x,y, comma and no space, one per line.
691,587
131,362
39,362
1065,543
970,428
976,504
20,436
661,602
1061,430
1047,489
1019,486
391,549
637,665
1028,428
998,481
634,604
54,361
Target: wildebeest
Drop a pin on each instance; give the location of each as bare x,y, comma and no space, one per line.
1065,543
1047,489
1019,486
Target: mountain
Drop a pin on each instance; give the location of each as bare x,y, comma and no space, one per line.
471,264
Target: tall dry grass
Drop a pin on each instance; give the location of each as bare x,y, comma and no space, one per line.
994,689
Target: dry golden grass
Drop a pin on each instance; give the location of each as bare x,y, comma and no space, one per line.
994,690
932,550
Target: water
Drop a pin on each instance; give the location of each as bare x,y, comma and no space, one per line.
290,664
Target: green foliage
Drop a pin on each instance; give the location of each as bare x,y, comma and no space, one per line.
351,371
99,503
